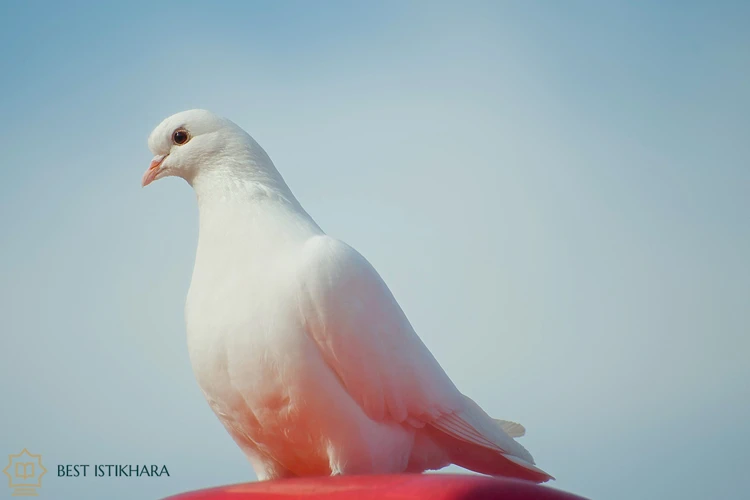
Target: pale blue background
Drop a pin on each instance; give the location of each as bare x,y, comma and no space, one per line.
558,193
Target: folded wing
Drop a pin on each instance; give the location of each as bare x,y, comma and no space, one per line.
366,339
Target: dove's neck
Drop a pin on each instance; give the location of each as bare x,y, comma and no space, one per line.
239,172
223,188
243,173
246,212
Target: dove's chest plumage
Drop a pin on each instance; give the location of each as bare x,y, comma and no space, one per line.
240,319
247,342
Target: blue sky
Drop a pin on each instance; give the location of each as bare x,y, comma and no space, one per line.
556,193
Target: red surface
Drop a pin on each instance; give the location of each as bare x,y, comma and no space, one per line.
402,487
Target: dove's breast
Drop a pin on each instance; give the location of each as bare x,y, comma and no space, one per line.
241,323
254,362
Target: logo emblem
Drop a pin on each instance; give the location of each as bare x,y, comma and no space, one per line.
25,473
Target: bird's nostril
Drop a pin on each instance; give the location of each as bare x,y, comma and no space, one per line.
158,160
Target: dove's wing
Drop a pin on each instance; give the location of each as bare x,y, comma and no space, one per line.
367,340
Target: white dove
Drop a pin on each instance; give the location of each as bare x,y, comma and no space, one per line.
298,345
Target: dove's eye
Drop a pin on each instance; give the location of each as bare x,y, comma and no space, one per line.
180,136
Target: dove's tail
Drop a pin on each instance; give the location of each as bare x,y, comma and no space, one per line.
486,461
475,441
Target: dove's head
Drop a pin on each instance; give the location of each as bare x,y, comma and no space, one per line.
196,142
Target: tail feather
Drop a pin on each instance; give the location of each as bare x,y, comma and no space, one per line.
486,461
513,429
474,440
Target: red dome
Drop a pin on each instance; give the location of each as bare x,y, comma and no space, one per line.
401,487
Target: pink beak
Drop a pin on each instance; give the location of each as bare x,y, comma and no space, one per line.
153,170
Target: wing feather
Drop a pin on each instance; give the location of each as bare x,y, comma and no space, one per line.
365,337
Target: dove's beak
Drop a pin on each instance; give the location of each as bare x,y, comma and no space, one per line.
153,170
